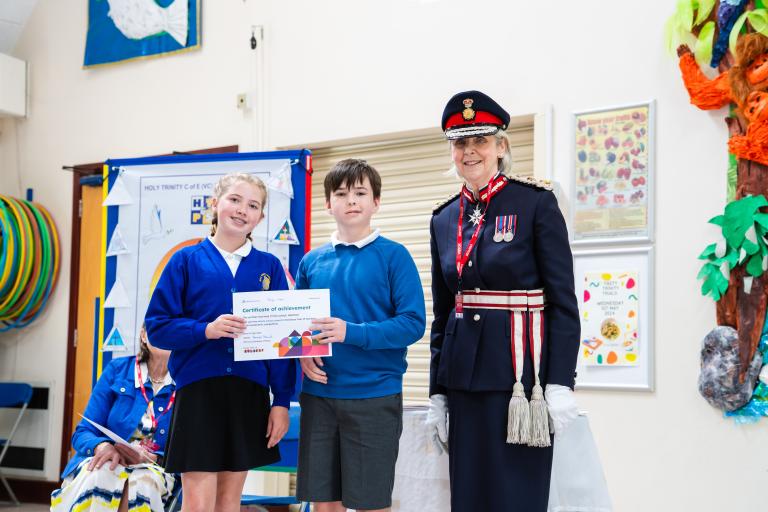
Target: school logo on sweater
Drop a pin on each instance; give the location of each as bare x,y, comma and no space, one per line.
265,280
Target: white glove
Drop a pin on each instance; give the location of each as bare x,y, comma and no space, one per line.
437,422
562,407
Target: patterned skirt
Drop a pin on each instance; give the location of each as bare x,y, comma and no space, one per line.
102,489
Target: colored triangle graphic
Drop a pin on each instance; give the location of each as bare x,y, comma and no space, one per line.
114,341
286,234
117,245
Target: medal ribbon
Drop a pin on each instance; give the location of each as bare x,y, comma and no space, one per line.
146,398
493,187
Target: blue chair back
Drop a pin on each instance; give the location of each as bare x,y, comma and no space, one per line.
289,445
14,393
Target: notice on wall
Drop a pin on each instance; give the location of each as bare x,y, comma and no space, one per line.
609,318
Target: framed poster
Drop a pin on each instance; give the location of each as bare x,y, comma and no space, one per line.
615,294
613,170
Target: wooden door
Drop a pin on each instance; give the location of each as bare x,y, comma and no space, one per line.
88,291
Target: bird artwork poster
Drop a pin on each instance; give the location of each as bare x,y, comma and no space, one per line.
120,30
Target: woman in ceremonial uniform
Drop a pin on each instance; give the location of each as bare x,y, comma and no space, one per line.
505,334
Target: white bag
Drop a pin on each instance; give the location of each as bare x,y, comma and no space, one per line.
578,483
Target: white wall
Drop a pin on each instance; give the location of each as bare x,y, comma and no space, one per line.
340,69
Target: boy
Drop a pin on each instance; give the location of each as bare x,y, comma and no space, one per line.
351,404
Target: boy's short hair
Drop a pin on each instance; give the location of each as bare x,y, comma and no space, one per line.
349,172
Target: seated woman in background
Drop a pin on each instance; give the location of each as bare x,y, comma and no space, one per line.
132,398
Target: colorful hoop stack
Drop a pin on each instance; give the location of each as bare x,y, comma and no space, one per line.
29,261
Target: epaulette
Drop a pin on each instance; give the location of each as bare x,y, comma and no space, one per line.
445,202
530,180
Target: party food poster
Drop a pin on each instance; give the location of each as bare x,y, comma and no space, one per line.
609,318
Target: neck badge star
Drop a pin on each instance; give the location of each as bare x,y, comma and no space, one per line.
476,216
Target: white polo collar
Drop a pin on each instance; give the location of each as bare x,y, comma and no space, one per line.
242,251
145,373
360,243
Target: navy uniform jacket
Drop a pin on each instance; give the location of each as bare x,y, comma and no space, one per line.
474,353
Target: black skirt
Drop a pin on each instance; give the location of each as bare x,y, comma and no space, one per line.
219,424
486,472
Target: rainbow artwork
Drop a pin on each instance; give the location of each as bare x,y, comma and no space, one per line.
301,345
609,319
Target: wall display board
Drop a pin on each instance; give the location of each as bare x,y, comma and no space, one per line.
155,206
612,173
615,293
120,30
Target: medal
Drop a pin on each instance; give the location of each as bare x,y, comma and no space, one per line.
498,236
511,226
476,216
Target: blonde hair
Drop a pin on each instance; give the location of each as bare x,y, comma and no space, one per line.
226,182
505,162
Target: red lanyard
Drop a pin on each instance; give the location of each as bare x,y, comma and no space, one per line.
493,187
146,398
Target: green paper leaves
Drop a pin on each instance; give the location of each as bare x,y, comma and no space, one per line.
735,31
714,283
739,217
744,228
678,27
690,14
704,43
703,9
759,20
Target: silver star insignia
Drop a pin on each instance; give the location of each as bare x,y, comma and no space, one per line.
476,216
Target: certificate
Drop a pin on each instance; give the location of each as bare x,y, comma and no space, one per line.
277,323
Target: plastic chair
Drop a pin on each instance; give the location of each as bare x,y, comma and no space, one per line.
13,394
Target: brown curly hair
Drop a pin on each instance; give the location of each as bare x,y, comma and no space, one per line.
748,48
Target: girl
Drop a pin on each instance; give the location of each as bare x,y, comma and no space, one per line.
222,423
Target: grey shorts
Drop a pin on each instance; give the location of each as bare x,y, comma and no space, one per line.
348,450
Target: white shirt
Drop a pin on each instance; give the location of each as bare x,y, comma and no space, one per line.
233,258
360,243
145,373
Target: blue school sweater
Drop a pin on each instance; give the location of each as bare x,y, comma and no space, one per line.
196,287
376,289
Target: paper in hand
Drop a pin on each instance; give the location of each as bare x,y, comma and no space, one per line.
116,438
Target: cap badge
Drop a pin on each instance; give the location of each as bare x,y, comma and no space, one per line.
468,113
